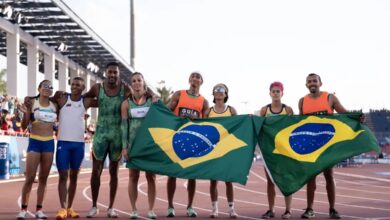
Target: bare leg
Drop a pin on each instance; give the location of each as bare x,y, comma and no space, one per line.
133,192
151,178
310,190
213,190
32,161
72,186
191,192
330,187
287,201
171,188
44,171
97,168
62,189
114,165
229,192
270,193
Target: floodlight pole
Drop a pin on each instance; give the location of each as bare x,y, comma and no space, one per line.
132,35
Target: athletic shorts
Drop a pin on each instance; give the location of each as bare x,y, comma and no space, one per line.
107,141
70,154
39,146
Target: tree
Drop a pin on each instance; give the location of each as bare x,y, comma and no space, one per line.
165,93
3,83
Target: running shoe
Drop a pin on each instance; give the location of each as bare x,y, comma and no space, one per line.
111,213
171,212
191,212
333,214
268,214
309,213
61,214
22,214
72,213
286,215
40,215
152,215
93,212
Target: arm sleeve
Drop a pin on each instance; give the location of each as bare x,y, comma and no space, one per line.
125,133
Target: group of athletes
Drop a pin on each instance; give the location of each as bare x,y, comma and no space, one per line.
122,109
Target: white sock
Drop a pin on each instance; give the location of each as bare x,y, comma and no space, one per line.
231,205
214,204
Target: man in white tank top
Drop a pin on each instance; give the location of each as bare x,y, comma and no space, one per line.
70,145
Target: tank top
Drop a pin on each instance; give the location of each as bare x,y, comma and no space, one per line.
269,111
227,112
189,105
43,114
316,106
137,115
110,108
72,123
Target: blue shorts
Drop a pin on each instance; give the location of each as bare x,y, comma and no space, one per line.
69,154
38,146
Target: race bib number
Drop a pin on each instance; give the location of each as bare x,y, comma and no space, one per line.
188,113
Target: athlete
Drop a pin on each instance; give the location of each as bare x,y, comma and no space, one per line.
276,107
221,109
187,104
40,114
133,111
320,103
107,139
70,145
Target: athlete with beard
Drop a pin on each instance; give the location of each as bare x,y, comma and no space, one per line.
107,139
187,104
320,103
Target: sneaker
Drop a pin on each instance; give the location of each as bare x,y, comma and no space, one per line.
133,215
22,214
309,213
72,213
269,214
111,213
191,212
61,214
286,215
93,212
214,213
152,215
171,212
232,213
40,215
333,214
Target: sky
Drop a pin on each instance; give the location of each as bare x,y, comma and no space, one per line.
248,44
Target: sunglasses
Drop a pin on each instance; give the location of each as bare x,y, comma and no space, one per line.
47,87
219,89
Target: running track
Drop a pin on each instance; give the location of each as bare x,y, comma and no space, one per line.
362,193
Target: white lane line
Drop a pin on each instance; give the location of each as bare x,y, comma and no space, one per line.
50,176
316,201
363,177
105,206
341,195
184,205
19,199
257,175
364,184
356,190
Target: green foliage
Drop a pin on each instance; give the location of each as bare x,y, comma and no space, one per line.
165,93
3,83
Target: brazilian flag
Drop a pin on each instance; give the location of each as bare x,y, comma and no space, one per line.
212,148
297,148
